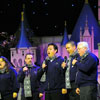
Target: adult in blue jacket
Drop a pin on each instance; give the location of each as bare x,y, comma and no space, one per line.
8,80
28,78
70,72
87,72
53,74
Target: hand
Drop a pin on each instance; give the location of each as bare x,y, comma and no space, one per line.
64,91
44,65
78,91
63,65
14,94
40,95
25,69
74,61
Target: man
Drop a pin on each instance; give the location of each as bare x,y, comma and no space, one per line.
70,72
54,76
27,76
87,72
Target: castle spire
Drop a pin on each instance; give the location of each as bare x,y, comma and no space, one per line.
65,37
65,23
22,16
86,1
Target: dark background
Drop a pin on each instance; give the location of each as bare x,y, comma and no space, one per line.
45,18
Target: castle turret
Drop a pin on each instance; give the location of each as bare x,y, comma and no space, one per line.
23,47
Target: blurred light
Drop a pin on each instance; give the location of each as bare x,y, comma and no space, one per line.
73,5
95,6
8,4
46,14
37,27
43,0
33,13
32,1
45,3
55,26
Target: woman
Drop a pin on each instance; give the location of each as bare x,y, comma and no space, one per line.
8,80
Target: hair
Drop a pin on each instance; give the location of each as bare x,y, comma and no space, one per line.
84,44
28,54
8,64
54,45
72,43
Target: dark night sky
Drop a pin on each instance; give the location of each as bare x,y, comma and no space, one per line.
45,17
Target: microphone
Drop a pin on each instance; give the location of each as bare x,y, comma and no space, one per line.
26,72
65,59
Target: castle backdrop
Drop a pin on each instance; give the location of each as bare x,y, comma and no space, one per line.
86,29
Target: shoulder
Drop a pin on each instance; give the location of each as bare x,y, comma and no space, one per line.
12,70
60,58
94,57
36,67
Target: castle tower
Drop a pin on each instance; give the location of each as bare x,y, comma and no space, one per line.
65,39
92,22
23,47
86,36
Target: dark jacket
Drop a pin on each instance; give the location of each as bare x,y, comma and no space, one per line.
54,75
33,78
73,69
87,70
8,82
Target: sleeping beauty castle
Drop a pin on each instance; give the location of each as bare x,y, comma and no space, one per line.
87,29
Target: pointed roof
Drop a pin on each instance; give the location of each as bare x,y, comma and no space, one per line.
86,28
65,37
29,31
92,22
23,41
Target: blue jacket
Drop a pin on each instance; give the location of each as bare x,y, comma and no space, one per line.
33,78
8,82
54,76
73,69
87,70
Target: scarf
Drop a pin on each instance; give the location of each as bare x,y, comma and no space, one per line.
84,55
43,78
27,82
3,70
67,73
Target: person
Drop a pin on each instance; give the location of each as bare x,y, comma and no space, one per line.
53,74
87,72
28,78
8,80
70,72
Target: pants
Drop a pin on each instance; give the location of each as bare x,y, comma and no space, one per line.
71,95
88,93
35,96
53,96
72,92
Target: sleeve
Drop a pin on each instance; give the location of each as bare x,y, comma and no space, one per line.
87,64
21,76
41,78
15,81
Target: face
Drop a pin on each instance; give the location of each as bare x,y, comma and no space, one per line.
29,59
51,51
81,50
70,49
2,63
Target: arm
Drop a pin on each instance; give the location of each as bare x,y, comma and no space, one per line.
15,83
21,75
86,65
